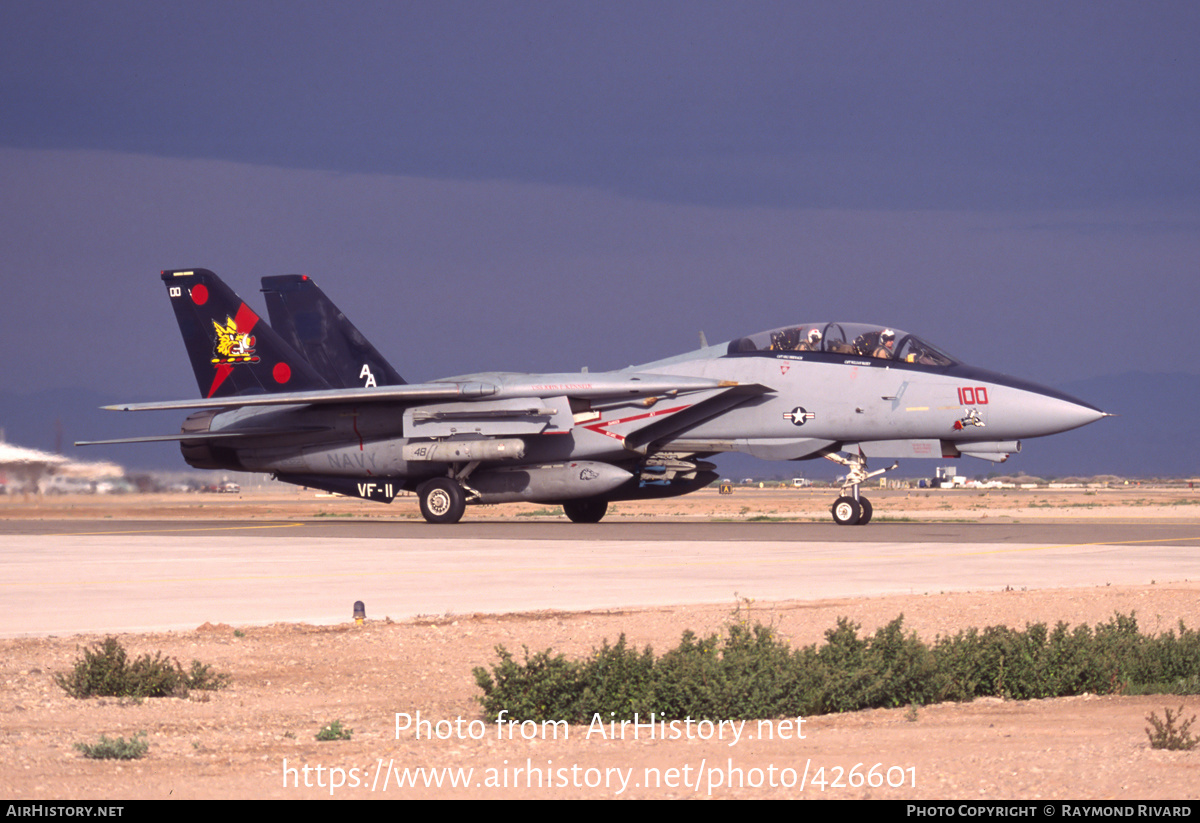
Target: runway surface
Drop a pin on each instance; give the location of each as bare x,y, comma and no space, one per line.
68,577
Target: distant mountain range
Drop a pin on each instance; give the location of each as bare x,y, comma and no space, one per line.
1154,434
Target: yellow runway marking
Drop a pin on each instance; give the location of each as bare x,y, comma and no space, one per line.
171,531
1160,541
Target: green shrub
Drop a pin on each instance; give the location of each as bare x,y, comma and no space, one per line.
105,671
201,677
1036,663
1167,736
688,678
748,672
334,731
849,672
544,688
757,674
116,749
1167,664
618,678
1180,685
904,669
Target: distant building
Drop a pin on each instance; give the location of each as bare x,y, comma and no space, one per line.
29,470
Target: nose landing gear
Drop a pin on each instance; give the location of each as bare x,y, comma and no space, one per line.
852,509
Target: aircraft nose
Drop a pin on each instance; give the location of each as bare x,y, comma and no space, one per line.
1021,408
1066,415
1050,412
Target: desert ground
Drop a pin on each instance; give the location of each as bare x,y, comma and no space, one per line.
406,689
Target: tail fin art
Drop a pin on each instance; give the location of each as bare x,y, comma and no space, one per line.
313,325
231,351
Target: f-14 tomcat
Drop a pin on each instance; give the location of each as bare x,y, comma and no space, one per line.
309,400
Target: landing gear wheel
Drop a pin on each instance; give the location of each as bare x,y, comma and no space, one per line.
846,511
585,511
865,517
442,500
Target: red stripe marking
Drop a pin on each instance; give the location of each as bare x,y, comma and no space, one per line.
600,428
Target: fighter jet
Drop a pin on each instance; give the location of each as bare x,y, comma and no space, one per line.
307,399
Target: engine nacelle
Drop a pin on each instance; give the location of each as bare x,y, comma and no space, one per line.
203,454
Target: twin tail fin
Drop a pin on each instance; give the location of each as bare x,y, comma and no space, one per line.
310,322
232,352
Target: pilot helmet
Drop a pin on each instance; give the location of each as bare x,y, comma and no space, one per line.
814,337
887,335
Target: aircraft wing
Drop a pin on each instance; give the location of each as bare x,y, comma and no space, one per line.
583,386
235,434
652,432
383,394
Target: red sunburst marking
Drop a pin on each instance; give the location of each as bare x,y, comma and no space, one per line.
222,371
245,319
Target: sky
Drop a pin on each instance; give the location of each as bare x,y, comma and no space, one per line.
546,186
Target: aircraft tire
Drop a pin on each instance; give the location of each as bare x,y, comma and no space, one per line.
588,510
442,500
867,511
846,511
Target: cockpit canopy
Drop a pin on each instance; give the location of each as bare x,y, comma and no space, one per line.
854,339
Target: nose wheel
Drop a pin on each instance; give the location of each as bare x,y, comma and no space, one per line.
849,511
852,509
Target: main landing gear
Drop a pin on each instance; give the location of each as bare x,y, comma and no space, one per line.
442,499
852,509
587,510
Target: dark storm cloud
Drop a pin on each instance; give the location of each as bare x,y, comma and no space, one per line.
542,186
448,277
862,105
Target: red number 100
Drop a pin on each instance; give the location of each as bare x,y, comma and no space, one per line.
973,395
